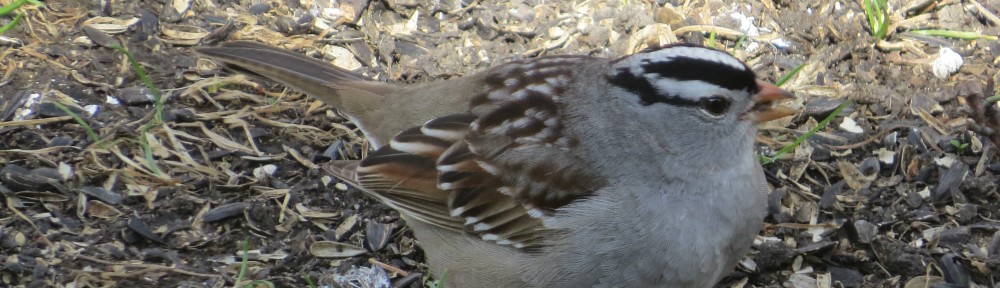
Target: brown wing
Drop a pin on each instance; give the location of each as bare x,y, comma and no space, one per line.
476,194
446,172
406,175
519,131
404,178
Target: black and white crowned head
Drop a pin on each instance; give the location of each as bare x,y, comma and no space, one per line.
689,76
702,89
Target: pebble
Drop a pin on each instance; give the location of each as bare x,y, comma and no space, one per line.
135,95
947,62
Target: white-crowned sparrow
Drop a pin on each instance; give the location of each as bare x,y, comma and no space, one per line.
565,171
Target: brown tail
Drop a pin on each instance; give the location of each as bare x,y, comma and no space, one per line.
306,74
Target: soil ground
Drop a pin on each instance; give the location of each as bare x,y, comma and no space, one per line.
900,190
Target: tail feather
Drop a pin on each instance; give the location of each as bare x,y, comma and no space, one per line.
312,76
379,109
346,170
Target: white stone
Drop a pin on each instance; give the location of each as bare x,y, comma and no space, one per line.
946,63
850,126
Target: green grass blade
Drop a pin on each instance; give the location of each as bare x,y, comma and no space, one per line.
993,99
789,75
157,102
870,15
440,282
885,19
877,13
8,26
90,130
764,160
6,9
255,283
877,10
157,99
964,35
740,42
309,281
244,260
711,39
147,151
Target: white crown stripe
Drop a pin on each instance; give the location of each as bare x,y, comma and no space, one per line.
667,55
686,89
699,53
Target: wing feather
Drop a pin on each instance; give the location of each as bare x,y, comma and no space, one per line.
447,172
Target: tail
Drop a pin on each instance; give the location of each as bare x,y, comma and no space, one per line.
312,76
345,90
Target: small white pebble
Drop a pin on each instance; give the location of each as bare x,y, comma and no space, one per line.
817,232
946,63
342,57
112,100
340,186
91,109
747,26
780,43
555,32
65,171
264,171
26,110
326,180
926,193
83,41
886,156
931,233
332,13
946,160
850,126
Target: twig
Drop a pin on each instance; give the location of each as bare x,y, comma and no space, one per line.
391,268
464,9
870,139
33,122
986,13
146,267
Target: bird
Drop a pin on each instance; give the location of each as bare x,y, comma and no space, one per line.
558,171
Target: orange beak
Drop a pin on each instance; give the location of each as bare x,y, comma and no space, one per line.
765,106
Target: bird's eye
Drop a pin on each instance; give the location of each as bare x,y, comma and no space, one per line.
715,106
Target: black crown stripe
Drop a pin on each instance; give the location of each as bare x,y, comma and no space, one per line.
642,87
682,68
687,68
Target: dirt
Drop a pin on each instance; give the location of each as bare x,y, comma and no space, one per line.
905,196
